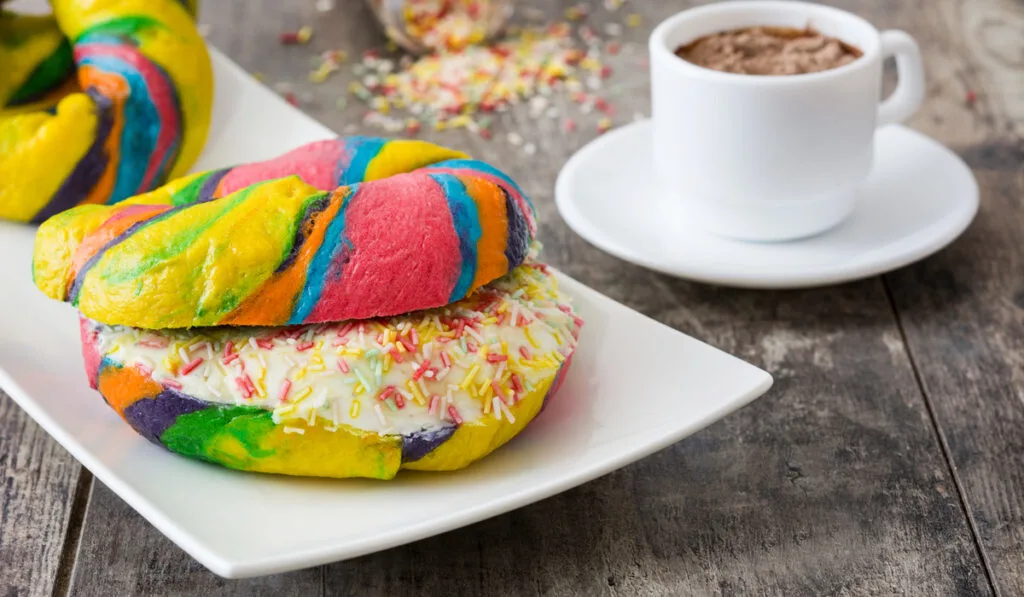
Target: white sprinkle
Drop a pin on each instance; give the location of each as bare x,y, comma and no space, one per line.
213,390
423,387
443,373
613,29
184,355
515,139
289,360
380,414
298,430
505,409
495,408
259,355
529,149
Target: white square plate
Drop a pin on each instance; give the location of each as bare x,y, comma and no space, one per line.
635,387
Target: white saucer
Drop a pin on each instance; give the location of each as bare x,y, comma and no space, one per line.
919,197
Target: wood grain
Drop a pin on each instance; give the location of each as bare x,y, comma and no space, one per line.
39,483
833,483
963,309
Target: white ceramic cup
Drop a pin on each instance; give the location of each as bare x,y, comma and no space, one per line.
772,158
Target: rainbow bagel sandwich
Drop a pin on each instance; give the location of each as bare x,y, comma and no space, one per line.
315,338
99,102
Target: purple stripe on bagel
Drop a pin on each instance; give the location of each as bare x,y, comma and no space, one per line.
210,185
419,444
151,417
518,243
88,170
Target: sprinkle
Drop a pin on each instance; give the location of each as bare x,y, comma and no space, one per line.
343,366
417,392
454,414
380,414
303,393
386,393
353,411
229,348
435,401
971,97
230,358
466,381
297,430
506,410
190,367
604,125
304,346
445,359
496,408
634,20
301,36
530,338
286,386
172,383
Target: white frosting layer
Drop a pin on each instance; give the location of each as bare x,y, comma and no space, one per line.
414,372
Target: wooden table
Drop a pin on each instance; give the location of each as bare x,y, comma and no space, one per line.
888,457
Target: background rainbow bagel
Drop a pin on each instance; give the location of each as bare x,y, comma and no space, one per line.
432,390
140,119
372,228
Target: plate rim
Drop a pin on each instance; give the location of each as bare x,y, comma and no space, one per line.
950,228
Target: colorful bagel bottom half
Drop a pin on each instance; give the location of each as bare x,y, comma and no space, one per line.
432,390
348,228
99,102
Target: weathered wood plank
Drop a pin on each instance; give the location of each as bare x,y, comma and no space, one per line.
833,483
963,309
39,483
122,554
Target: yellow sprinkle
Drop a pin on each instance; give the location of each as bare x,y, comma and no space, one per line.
318,347
115,348
483,351
487,407
316,368
359,389
529,336
558,356
469,376
634,20
300,374
387,363
504,347
416,393
317,358
304,34
558,338
285,410
486,390
400,346
354,410
304,393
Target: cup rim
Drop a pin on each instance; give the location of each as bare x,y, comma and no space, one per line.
658,45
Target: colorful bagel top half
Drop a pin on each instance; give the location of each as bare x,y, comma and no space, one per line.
350,228
99,102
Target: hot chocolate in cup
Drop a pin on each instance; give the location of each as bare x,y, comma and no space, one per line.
767,157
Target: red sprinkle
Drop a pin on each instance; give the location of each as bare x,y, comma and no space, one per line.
190,367
386,393
245,384
291,98
418,373
486,134
343,366
399,401
494,357
153,343
285,388
445,359
524,352
289,38
971,97
229,348
230,358
144,370
454,414
173,383
304,346
516,384
265,344
407,344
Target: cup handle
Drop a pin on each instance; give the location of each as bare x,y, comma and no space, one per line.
910,89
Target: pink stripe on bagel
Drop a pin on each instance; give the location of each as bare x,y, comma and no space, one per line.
313,163
404,251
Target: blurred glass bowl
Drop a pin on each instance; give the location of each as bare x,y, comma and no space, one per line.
423,26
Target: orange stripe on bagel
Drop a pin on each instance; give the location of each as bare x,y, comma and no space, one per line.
490,249
117,89
274,301
124,386
108,231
